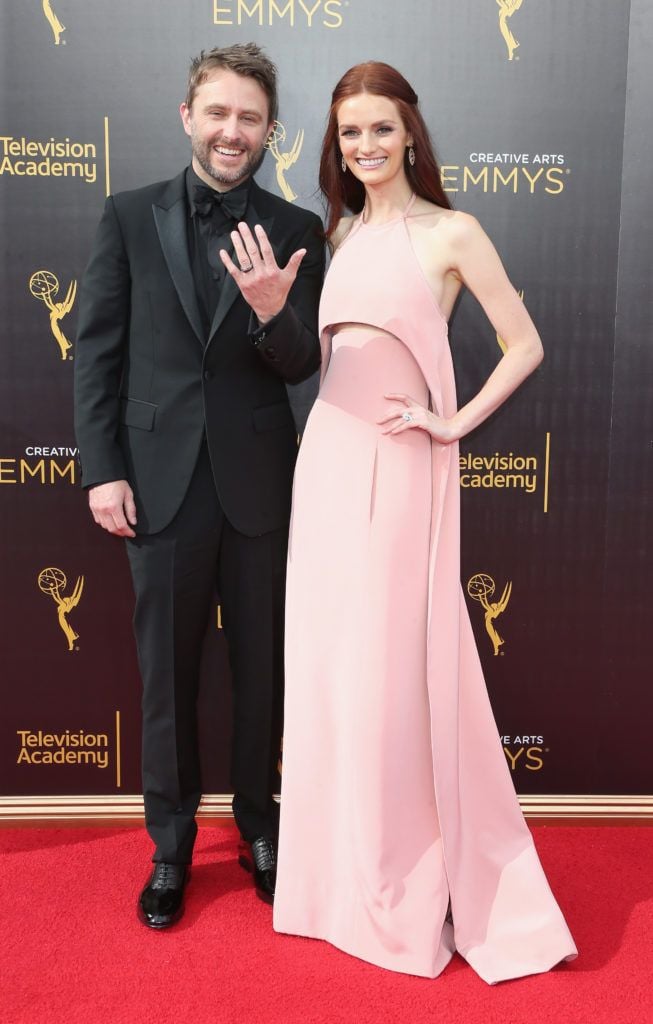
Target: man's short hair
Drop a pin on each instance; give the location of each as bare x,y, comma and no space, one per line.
246,59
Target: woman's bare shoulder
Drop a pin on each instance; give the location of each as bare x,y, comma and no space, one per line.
458,225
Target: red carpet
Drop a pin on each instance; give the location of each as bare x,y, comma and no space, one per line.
73,951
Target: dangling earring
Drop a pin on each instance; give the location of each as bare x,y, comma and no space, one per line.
344,165
411,156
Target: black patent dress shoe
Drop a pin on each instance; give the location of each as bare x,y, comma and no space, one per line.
260,859
161,902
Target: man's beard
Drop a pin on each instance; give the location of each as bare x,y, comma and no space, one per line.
254,159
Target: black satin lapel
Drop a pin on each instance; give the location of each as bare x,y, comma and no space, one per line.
230,289
228,294
171,228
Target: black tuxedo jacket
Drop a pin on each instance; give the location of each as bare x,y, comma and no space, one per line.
148,384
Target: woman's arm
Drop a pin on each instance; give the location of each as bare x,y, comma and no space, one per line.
480,269
475,261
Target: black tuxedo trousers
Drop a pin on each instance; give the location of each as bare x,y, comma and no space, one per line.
175,576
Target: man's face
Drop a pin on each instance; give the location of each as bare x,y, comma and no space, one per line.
228,124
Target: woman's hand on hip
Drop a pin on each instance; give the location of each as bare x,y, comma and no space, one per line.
407,414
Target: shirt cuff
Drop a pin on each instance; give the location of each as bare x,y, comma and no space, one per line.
258,334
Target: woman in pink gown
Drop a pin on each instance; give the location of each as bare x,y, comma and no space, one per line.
401,836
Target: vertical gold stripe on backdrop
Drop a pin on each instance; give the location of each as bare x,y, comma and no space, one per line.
106,157
546,471
118,768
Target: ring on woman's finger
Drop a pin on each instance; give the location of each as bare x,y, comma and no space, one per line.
246,269
407,416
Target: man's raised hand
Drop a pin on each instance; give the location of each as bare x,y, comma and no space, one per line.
262,282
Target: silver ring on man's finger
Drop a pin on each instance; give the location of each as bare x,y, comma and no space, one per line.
407,417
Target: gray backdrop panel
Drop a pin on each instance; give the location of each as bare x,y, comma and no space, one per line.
546,143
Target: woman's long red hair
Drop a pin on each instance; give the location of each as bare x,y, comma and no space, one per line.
344,191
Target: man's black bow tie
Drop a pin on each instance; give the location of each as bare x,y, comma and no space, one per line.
233,204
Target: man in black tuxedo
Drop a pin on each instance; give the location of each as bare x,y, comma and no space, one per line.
199,303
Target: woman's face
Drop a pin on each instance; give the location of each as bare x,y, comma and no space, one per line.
372,138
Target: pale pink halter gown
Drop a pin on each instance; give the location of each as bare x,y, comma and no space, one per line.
396,796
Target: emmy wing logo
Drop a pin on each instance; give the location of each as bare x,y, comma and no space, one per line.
53,21
284,161
44,285
481,587
506,10
52,582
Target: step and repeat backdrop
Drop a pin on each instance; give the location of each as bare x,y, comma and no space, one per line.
539,116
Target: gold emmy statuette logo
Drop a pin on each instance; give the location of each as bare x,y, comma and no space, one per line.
284,161
501,343
55,24
506,10
52,581
480,587
44,286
